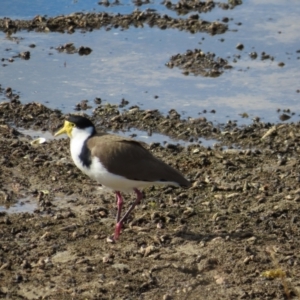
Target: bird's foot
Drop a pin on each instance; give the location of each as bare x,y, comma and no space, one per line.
120,220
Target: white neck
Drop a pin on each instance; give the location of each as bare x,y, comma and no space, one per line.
79,136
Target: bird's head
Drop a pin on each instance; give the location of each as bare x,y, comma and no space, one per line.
76,125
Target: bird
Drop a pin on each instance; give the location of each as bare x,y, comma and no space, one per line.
119,163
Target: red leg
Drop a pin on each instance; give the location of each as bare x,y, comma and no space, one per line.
138,199
119,204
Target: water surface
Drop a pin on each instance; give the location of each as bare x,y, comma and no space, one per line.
130,64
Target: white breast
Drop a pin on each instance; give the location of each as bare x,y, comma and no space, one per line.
98,172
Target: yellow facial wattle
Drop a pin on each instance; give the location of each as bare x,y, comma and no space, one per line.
67,129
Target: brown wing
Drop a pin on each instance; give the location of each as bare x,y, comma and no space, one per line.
128,158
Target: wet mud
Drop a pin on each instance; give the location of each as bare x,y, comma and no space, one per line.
233,235
91,21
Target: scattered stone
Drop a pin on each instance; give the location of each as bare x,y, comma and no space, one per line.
284,117
87,21
240,216
239,46
199,63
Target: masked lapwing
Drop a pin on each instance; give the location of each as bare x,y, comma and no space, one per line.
119,163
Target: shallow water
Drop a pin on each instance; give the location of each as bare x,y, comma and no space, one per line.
130,64
22,206
134,133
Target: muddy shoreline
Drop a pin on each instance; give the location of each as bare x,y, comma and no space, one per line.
235,234
240,218
91,21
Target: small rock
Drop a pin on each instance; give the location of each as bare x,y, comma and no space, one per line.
239,46
147,250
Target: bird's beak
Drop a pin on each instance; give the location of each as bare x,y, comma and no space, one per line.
67,129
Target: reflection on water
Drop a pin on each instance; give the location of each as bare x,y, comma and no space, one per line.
22,206
14,9
160,138
130,64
